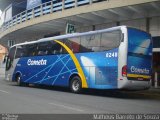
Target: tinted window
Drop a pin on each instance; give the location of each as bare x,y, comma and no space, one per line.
90,43
21,51
43,48
139,42
56,48
110,40
73,44
49,48
31,49
139,38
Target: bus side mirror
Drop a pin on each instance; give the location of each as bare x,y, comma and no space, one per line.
122,37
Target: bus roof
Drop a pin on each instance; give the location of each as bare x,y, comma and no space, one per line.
70,35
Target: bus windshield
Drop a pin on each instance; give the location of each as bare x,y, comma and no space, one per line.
10,58
139,42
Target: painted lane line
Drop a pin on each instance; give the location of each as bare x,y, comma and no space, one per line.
67,107
4,91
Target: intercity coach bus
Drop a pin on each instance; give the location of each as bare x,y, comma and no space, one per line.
113,58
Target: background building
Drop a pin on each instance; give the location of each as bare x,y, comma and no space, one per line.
27,20
3,52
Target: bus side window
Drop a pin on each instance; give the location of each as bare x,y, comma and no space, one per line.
43,48
84,44
73,44
31,49
57,48
90,43
110,40
21,51
62,50
54,48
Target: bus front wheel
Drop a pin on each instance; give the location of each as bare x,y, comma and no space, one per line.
18,80
75,84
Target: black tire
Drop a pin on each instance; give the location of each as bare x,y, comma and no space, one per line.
18,80
76,84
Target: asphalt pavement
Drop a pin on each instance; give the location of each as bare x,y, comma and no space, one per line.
54,100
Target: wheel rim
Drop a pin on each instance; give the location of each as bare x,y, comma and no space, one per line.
18,80
76,85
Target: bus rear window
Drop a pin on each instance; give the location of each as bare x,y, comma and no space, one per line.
139,38
139,42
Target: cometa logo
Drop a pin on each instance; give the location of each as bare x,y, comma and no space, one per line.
36,62
139,70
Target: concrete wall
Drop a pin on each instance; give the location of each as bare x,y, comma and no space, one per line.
139,23
20,39
155,26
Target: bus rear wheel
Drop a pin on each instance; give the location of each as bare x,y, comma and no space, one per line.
75,84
